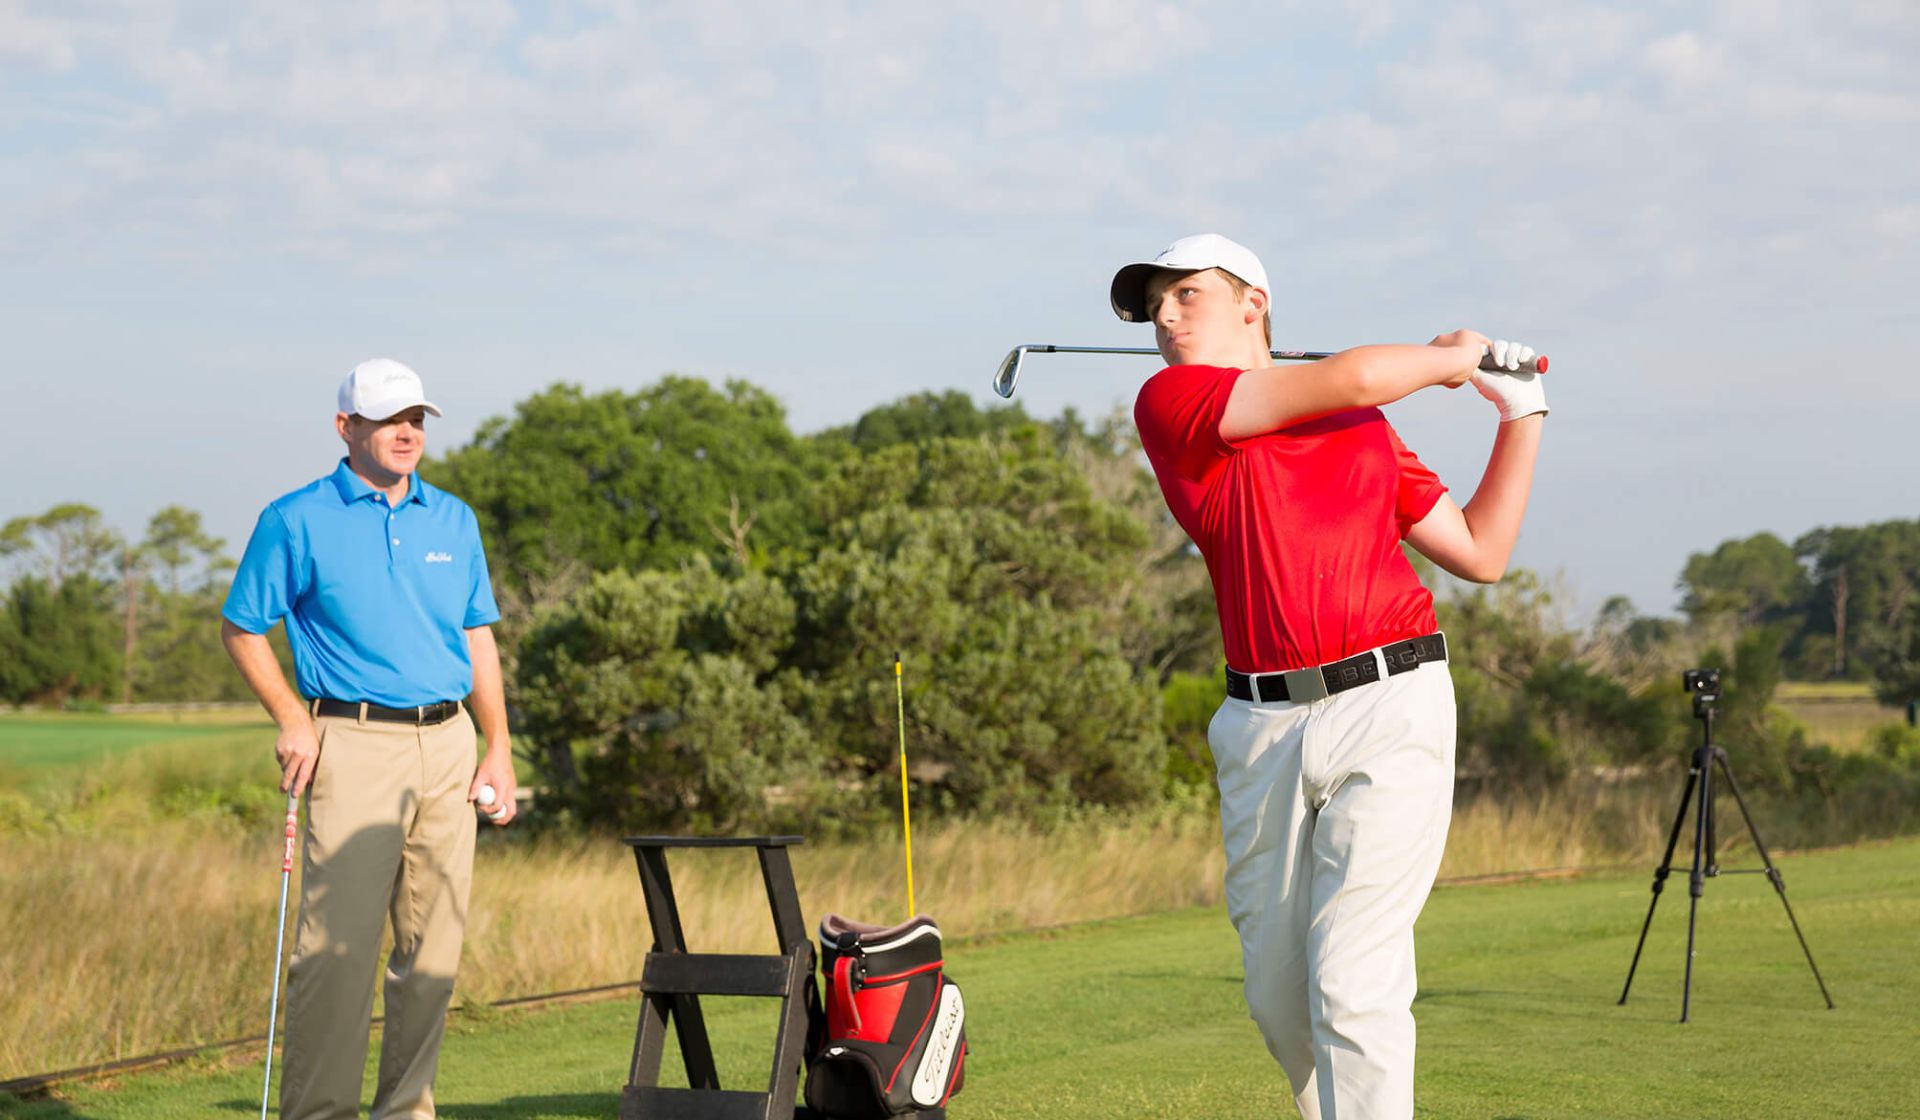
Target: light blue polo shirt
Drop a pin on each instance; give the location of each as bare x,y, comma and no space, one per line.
377,600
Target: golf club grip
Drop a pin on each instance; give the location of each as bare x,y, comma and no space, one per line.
1535,364
292,833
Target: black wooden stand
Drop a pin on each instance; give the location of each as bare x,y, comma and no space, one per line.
674,980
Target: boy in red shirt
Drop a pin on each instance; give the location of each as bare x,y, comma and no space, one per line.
1335,746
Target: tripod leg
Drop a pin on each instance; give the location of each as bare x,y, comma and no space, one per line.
1773,876
1697,880
1659,881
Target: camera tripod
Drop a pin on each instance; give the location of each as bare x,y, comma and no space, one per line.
1704,684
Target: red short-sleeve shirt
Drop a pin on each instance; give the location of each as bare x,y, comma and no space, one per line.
1300,528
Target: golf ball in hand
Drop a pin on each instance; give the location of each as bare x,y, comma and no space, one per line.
487,795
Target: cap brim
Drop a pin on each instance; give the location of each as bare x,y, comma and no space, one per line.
385,409
1129,291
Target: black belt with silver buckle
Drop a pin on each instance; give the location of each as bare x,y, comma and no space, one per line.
1301,686
425,714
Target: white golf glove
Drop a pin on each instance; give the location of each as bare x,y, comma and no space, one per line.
1518,394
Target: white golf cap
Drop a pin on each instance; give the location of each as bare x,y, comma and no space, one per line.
379,387
1189,254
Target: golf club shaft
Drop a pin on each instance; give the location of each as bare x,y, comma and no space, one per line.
279,943
1533,365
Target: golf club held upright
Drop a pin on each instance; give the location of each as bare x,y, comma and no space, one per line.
279,942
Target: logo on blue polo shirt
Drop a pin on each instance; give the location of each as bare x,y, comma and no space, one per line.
439,557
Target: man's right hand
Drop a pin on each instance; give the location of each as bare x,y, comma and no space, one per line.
298,750
1472,346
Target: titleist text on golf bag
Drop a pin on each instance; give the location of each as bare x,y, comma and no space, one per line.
896,1040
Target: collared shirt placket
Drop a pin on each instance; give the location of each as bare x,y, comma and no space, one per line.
390,525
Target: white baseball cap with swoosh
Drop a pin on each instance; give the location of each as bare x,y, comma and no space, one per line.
1189,254
380,387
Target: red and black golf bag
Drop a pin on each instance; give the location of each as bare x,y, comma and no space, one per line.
895,1042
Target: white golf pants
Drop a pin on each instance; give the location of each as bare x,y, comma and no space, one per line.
1334,815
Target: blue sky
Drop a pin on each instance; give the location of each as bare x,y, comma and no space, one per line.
1708,215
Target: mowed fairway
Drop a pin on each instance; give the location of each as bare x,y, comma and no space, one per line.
32,743
1143,1017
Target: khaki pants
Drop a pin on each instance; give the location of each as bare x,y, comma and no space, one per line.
389,835
1334,815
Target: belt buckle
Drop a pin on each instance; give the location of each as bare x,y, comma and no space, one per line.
1306,685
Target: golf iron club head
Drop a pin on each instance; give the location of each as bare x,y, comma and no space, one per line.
1008,375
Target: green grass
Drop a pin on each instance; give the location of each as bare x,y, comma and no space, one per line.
1143,1017
42,741
42,750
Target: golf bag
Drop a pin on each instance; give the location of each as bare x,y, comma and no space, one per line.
895,1041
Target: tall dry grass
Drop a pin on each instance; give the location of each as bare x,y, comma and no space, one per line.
1845,723
122,933
1595,824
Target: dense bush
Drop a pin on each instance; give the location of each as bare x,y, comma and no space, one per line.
757,690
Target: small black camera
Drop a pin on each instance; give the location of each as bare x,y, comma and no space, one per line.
1702,684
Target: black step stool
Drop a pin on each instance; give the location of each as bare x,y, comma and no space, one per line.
674,980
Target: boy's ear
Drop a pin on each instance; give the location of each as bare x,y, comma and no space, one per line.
1258,300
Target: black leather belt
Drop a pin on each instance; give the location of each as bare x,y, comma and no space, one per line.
425,714
1301,686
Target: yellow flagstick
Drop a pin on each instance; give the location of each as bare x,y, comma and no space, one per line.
906,813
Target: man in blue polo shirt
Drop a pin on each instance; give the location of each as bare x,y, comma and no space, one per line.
383,586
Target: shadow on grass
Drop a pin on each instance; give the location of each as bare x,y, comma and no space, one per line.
1462,995
43,1109
568,1105
596,1105
1175,976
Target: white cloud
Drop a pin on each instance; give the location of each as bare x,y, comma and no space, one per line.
421,119
45,42
1749,150
1685,63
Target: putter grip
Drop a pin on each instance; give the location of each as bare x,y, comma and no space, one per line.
1535,364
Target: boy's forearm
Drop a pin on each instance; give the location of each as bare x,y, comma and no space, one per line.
1382,374
1499,503
1273,397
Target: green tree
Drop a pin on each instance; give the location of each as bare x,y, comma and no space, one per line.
176,654
631,481
644,697
1629,646
1533,705
1752,580
187,557
58,643
1864,584
1187,705
1008,584
927,416
1896,672
988,562
66,541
